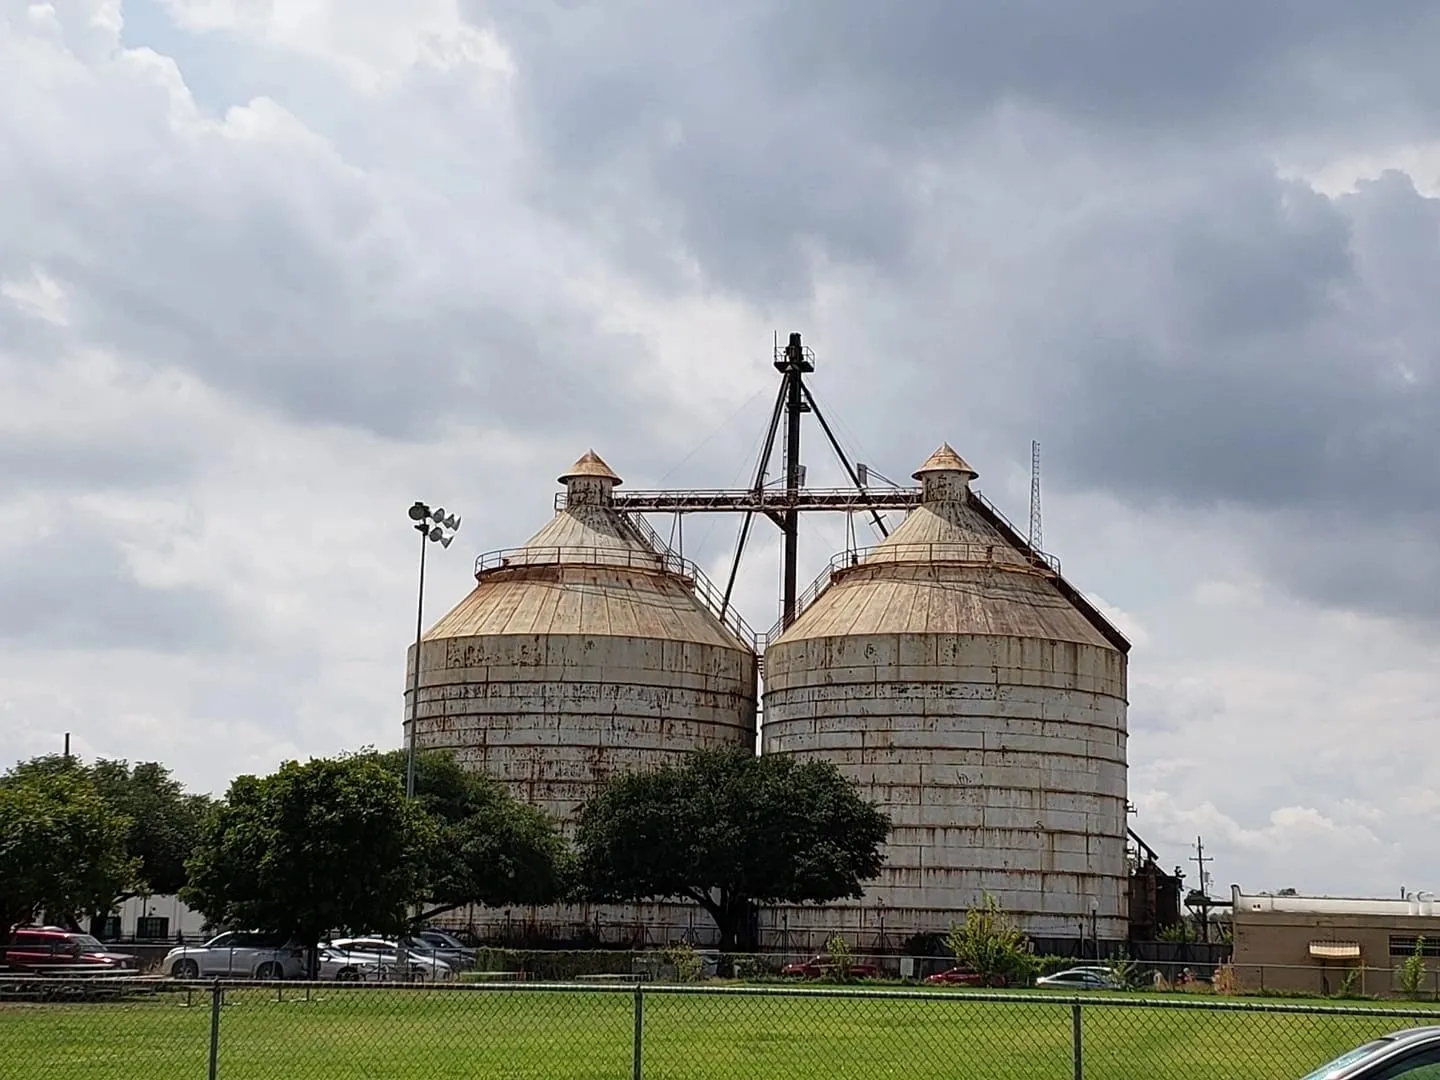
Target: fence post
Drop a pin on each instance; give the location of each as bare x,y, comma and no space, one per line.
638,1052
1076,1044
216,996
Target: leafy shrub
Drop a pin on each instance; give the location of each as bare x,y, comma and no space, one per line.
549,964
1226,980
1347,984
1412,971
989,943
685,960
754,967
841,957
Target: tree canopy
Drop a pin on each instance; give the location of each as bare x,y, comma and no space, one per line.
731,831
493,850
164,819
62,848
330,844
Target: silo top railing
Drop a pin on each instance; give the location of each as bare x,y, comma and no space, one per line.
999,556
662,562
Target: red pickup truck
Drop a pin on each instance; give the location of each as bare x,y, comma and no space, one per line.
50,948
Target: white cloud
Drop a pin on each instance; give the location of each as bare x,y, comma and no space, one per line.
38,295
1126,621
375,46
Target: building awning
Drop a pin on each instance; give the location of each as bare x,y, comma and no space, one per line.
1335,950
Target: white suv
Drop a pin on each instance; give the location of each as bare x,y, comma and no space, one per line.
238,955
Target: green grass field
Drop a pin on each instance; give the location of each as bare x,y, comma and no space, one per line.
586,1035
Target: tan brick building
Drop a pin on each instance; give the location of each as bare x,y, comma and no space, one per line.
1310,944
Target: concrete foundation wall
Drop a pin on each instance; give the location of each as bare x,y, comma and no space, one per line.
1000,760
650,925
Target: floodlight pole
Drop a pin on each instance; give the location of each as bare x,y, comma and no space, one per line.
415,675
431,525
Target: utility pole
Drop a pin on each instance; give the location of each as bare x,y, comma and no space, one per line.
1200,860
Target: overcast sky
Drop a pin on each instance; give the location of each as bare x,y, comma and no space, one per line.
270,270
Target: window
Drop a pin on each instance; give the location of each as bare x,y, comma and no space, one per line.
152,926
110,927
1404,945
1421,1065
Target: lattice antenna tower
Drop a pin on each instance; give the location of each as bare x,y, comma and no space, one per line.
1037,535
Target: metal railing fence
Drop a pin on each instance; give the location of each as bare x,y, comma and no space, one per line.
119,1029
663,561
1197,968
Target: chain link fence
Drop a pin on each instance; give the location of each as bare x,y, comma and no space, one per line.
164,1029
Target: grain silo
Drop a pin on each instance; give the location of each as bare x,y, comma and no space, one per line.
585,653
979,700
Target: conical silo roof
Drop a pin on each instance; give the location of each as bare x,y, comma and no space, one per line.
587,571
944,460
592,465
949,568
588,530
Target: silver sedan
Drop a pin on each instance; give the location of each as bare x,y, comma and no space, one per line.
390,956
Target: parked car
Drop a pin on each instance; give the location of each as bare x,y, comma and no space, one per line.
50,947
1412,1054
964,976
449,948
417,966
818,967
339,966
1078,979
429,950
239,954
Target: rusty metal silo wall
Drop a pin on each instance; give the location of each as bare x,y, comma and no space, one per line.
1000,760
981,702
553,716
582,655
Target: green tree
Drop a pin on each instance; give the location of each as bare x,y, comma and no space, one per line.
164,819
1412,971
730,831
493,849
990,944
842,959
165,823
62,849
331,844
1180,933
